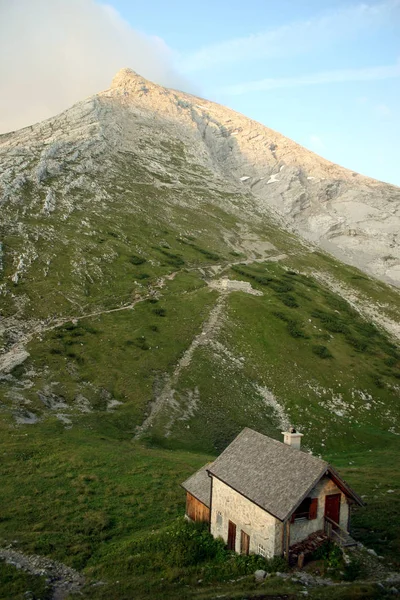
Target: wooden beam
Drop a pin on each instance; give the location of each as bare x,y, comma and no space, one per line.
287,539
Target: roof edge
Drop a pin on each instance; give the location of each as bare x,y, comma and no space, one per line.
322,473
344,486
340,482
198,499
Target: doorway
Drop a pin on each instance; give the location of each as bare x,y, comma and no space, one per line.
231,536
244,543
332,507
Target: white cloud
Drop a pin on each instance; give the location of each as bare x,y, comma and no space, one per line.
295,38
57,52
326,77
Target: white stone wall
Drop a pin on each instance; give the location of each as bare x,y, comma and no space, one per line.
263,528
300,530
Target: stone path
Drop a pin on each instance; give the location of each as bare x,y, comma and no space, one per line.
61,579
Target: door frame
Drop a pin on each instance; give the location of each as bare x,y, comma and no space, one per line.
231,536
244,542
338,499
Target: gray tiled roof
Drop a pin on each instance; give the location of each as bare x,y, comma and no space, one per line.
272,474
199,485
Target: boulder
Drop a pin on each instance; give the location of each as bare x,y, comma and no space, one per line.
260,575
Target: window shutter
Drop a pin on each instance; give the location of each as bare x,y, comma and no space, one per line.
313,508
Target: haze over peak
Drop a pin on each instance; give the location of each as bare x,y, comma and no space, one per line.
70,63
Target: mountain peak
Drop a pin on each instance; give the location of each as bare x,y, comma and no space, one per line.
125,77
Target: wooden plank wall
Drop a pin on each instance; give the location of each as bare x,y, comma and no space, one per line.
196,510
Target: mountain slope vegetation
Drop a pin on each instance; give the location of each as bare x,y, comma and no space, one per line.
152,305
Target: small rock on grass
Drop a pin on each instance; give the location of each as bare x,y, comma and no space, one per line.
260,575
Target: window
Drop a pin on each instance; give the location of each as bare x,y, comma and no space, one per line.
219,518
261,550
308,509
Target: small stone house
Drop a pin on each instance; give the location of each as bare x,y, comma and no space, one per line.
262,496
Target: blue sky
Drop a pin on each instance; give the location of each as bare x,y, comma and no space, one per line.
326,74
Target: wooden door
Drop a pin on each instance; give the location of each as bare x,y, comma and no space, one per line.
244,543
332,507
231,536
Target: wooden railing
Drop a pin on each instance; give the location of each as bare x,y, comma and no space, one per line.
333,530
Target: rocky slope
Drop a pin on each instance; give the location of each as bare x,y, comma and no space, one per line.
353,217
142,194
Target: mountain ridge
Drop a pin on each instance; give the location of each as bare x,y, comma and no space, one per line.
354,217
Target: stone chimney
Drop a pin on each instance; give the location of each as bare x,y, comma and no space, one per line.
292,438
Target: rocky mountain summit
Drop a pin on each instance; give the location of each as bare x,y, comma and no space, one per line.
355,218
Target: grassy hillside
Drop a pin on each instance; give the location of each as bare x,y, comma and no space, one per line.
144,364
92,498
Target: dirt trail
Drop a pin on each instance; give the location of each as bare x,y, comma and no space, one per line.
166,396
62,580
17,354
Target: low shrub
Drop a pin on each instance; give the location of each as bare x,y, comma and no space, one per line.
331,322
321,351
377,380
207,253
295,330
159,311
367,329
339,304
186,545
141,343
261,279
353,570
281,286
55,351
293,326
89,328
332,558
280,315
174,259
137,260
77,333
357,343
390,361
288,300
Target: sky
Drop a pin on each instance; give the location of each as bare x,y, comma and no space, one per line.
326,74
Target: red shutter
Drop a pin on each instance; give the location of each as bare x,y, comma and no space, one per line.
313,508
